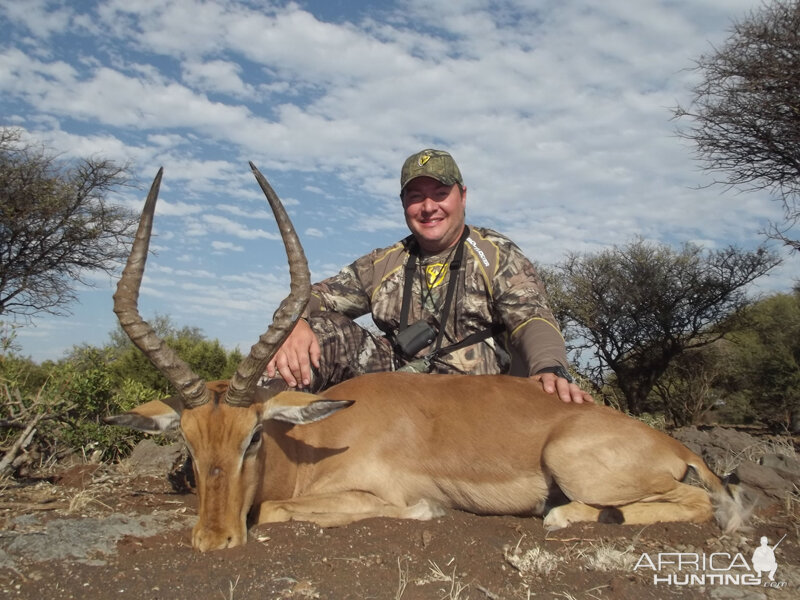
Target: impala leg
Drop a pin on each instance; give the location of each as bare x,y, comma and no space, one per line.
683,503
334,510
566,514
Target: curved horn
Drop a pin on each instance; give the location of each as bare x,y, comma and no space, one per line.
191,388
243,384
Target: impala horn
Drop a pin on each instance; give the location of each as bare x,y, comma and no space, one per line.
191,388
243,384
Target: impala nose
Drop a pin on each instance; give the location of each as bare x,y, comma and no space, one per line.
204,539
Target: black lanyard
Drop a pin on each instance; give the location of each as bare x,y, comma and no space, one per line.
410,271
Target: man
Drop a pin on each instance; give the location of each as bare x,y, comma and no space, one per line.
448,298
764,558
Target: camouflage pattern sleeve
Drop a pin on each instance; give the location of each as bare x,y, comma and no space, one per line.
342,293
520,303
349,291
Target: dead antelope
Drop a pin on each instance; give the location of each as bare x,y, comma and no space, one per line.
407,445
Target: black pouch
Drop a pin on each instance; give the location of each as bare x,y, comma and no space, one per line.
414,338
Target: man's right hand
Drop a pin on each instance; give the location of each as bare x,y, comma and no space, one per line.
294,359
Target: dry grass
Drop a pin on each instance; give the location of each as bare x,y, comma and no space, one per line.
436,574
605,556
781,446
231,589
83,499
792,507
536,561
589,594
596,556
402,578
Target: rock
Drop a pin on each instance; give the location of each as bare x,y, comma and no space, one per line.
736,593
767,482
149,457
784,466
763,479
717,446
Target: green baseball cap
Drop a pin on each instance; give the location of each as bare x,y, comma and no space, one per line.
437,164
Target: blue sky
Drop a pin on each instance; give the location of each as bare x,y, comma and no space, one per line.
557,111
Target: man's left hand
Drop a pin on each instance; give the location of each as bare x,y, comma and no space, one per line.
568,392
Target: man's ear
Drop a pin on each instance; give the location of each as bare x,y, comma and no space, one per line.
301,408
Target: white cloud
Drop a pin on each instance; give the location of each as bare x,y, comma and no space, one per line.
220,224
226,246
217,76
39,17
165,208
241,211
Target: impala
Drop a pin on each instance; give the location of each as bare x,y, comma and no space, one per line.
398,444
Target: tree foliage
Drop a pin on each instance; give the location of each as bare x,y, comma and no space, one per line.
746,109
697,382
768,359
636,308
56,225
49,410
207,358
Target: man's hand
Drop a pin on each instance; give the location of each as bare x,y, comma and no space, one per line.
294,359
568,392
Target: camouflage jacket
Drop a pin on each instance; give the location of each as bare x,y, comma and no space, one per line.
496,285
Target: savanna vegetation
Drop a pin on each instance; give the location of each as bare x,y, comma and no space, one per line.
672,333
630,311
744,116
57,225
55,409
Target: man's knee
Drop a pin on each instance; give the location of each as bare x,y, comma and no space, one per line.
347,349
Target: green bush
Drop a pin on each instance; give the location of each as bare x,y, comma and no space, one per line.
88,385
69,398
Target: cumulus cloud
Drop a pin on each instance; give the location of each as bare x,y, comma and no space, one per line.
217,76
220,224
226,246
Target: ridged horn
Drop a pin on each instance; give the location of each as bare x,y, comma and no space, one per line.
191,388
243,384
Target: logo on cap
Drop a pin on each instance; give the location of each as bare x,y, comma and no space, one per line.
423,159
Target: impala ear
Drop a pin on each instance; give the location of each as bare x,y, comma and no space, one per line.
301,408
157,416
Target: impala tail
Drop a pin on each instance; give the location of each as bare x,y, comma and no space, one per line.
732,509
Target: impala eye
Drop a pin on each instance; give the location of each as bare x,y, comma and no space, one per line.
255,440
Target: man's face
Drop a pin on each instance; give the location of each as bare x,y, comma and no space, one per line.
434,213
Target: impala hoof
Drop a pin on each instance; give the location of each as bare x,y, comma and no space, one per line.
555,519
424,510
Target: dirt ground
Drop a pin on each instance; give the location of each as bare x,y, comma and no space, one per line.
111,532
